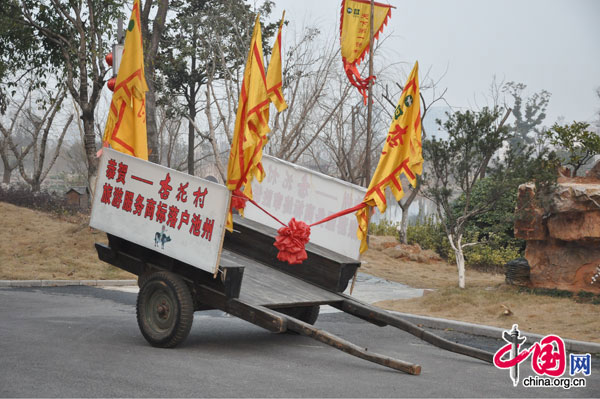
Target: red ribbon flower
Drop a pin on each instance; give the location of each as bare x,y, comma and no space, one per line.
238,200
291,241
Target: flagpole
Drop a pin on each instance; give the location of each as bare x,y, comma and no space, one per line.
369,109
370,98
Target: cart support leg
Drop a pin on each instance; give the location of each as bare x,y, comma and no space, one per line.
378,316
310,331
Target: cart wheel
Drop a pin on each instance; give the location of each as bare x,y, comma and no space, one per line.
307,314
142,278
165,309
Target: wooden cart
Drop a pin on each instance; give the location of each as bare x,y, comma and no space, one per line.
254,286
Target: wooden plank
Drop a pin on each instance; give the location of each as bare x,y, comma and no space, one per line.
332,340
323,267
257,315
379,316
263,285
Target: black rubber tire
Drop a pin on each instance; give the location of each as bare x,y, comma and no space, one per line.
307,314
165,309
142,278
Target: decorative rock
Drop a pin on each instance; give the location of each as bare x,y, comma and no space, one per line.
382,242
563,265
562,233
529,223
574,226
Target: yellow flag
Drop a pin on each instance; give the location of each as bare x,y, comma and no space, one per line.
274,75
355,23
251,128
401,154
126,125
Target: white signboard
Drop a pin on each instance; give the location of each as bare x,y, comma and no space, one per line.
290,190
179,215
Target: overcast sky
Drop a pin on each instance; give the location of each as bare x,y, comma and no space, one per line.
545,44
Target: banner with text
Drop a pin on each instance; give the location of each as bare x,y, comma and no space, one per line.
173,213
289,190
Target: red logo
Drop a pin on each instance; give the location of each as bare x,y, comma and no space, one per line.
548,357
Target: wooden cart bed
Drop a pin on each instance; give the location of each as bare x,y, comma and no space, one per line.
265,286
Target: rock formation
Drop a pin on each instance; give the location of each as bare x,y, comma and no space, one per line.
562,231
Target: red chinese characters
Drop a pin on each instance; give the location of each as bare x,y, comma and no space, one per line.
128,201
288,181
122,172
106,193
207,228
165,187
160,210
288,204
309,213
172,218
182,193
277,200
117,197
139,205
196,225
395,136
267,197
303,187
298,207
150,204
111,169
548,356
199,197
185,219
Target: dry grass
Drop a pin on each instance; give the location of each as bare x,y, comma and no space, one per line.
484,300
39,246
423,275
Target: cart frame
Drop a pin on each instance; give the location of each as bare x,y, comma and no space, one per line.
253,285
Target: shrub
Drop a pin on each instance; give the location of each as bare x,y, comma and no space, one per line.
383,228
489,257
490,254
21,195
430,235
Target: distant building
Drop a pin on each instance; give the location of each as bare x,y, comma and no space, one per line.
78,196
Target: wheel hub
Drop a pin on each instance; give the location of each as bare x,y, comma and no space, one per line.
163,310
159,307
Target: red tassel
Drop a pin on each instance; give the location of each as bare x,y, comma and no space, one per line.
362,84
238,200
291,241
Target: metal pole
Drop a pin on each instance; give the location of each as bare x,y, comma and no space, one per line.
120,35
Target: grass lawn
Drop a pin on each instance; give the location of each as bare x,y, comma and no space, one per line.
39,246
485,300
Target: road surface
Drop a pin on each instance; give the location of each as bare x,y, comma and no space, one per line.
85,342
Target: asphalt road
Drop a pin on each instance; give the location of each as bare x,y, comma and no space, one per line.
84,342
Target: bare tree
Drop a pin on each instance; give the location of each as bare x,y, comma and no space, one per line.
170,138
77,34
10,139
39,127
310,79
152,37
